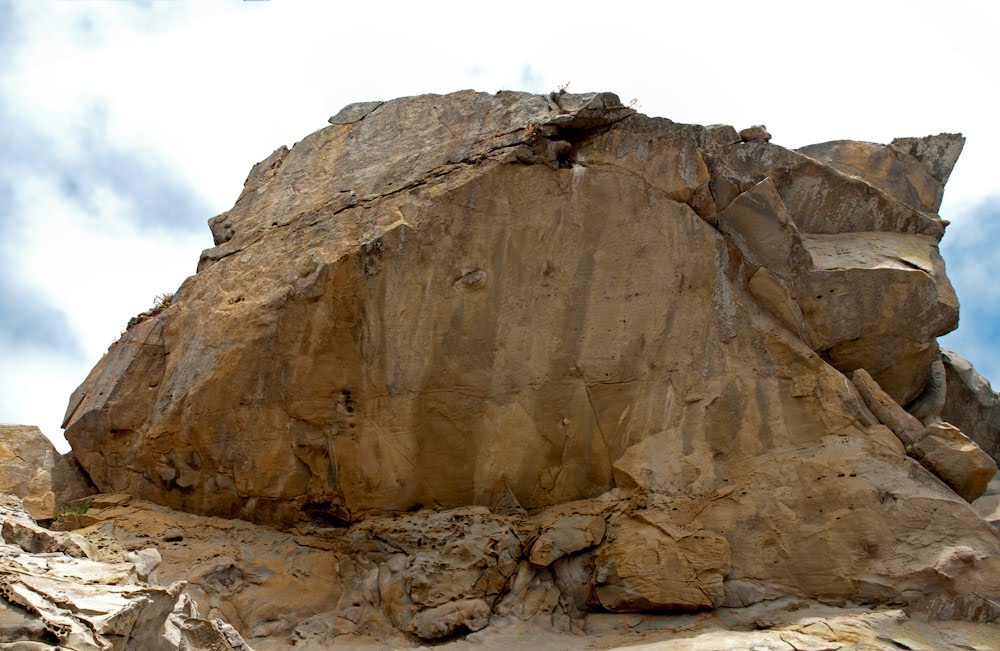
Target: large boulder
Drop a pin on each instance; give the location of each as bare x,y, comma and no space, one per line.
471,300
32,469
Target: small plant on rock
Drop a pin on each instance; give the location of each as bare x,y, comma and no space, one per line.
76,508
160,303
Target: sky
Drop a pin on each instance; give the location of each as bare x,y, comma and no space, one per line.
125,126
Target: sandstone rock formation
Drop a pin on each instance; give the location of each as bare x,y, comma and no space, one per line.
509,356
32,469
53,595
988,505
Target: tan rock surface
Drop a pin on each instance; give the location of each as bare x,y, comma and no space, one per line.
32,469
889,168
429,573
906,427
645,567
956,459
858,279
940,447
391,380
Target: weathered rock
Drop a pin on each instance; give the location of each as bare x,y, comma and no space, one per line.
32,469
565,536
988,506
758,132
417,571
758,224
821,199
249,576
53,600
341,452
929,405
652,566
940,447
971,404
857,279
865,257
774,294
889,413
957,460
464,615
939,153
887,167
547,305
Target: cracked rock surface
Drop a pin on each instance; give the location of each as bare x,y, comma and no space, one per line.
56,594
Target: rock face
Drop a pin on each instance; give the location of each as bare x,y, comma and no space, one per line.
32,469
478,307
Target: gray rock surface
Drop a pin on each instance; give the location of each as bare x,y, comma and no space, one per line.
939,153
971,404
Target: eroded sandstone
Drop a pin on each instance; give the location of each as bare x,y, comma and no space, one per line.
56,594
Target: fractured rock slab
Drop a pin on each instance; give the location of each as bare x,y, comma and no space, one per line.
51,592
956,459
648,567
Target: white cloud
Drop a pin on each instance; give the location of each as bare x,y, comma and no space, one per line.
98,266
35,386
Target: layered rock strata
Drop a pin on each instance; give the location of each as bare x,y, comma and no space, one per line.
476,308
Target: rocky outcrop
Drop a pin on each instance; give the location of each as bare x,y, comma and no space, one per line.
953,457
517,356
54,595
911,170
436,575
971,403
32,469
940,447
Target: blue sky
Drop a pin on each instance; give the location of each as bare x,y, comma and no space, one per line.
125,126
